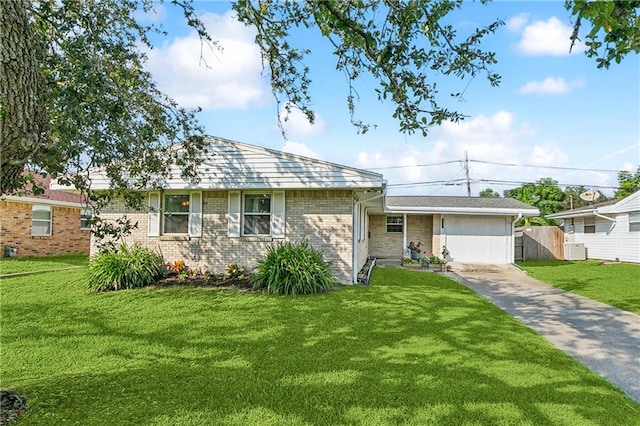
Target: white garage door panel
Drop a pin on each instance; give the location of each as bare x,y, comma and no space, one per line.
481,239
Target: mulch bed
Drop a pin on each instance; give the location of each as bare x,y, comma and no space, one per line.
12,406
200,281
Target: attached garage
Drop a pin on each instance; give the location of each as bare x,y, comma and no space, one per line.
473,229
478,239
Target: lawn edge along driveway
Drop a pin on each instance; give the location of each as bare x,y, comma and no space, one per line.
603,338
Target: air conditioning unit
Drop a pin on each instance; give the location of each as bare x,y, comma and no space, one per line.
574,251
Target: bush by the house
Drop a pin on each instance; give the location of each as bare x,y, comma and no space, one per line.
293,268
124,267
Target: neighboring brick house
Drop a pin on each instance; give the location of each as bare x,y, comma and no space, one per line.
47,224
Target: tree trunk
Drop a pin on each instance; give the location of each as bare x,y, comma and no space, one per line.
23,119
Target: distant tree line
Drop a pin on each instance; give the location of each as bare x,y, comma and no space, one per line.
549,198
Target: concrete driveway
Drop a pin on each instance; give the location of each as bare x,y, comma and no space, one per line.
603,338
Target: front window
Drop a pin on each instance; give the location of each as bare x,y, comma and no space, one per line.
85,218
634,222
589,225
176,214
41,221
394,224
257,214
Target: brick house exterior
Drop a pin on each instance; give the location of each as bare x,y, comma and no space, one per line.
248,199
323,217
63,233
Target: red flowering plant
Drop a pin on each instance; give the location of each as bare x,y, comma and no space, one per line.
178,266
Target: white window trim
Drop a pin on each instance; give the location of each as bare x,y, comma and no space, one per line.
156,214
164,212
634,221
83,213
386,226
243,213
49,221
594,224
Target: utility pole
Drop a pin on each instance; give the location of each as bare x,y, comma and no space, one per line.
466,173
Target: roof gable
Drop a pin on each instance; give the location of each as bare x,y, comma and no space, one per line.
627,204
235,165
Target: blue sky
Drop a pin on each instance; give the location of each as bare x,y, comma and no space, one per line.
552,109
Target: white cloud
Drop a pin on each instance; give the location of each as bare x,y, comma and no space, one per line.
516,23
300,149
551,86
550,37
499,138
227,79
296,124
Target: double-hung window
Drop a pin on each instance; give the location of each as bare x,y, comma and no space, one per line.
176,214
589,225
41,221
394,224
634,221
256,214
85,217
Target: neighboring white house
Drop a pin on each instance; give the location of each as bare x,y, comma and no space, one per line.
249,198
609,230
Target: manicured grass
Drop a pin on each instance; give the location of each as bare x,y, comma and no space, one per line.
411,348
616,284
32,264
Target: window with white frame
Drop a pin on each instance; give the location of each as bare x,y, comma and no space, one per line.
589,225
176,214
85,217
394,224
256,218
41,221
634,221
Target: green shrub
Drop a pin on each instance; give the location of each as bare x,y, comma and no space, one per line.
293,269
124,267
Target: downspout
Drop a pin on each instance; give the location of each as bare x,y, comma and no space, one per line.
513,240
617,233
355,231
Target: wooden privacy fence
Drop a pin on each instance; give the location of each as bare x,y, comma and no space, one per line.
539,242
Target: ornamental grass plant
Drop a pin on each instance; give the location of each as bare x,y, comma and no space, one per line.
124,267
293,268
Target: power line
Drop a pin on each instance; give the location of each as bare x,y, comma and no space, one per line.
496,164
415,165
545,167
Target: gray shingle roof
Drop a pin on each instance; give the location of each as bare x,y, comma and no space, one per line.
456,202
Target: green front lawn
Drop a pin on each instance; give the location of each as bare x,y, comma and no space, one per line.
31,264
411,348
616,284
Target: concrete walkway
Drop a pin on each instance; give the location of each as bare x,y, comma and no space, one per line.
603,338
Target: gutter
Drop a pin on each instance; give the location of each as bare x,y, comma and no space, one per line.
595,212
454,210
356,227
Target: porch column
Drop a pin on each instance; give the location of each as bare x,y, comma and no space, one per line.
404,233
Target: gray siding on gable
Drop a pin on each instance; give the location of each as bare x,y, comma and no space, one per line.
235,165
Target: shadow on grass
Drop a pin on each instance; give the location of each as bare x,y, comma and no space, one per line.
411,348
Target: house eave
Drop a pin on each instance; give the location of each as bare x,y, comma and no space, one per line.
461,210
42,201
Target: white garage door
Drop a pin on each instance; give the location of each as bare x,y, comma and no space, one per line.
478,239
